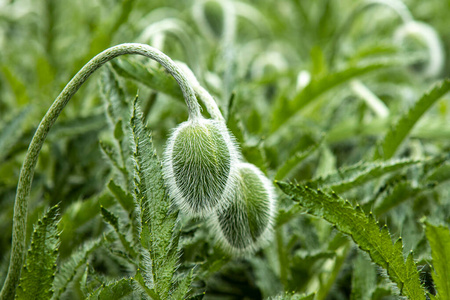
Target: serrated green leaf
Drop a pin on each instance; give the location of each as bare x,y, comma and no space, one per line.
295,160
440,174
11,132
115,290
439,240
40,267
400,192
141,281
118,112
295,296
183,286
126,200
322,84
114,96
68,268
396,135
365,232
352,176
78,214
113,220
158,222
78,126
112,156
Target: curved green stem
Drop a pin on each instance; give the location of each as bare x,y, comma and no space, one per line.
27,171
202,93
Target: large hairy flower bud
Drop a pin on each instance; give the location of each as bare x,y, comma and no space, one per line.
246,222
199,165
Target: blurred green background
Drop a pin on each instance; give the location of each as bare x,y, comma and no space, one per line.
256,58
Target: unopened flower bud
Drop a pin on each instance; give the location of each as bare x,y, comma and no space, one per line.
199,165
246,222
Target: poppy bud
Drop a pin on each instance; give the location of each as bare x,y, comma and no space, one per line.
245,223
199,165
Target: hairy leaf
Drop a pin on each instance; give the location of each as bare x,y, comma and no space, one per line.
125,199
141,281
114,96
183,286
158,222
365,232
294,161
295,296
400,192
40,267
68,268
115,290
322,84
404,125
112,156
439,239
112,219
360,173
364,279
11,132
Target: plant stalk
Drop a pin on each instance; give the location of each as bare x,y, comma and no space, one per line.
27,171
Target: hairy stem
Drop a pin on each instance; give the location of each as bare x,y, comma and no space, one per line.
202,93
27,171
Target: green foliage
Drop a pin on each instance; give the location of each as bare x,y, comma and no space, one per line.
439,240
11,132
159,238
39,270
114,222
281,73
125,199
366,233
294,296
355,175
69,267
114,290
364,278
322,84
404,125
294,161
154,78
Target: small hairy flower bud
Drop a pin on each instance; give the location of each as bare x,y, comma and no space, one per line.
199,165
245,223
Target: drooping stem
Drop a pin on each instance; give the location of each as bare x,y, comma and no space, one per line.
202,93
27,171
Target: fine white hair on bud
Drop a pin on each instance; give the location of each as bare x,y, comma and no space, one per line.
200,162
246,222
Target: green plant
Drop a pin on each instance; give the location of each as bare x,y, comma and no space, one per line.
345,104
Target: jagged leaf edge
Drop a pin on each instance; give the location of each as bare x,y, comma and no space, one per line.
158,235
397,133
38,273
330,207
